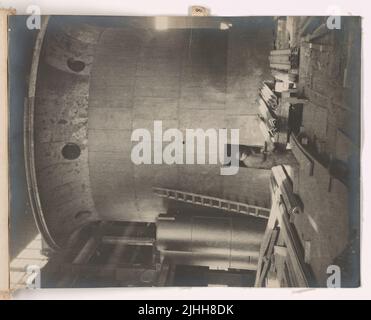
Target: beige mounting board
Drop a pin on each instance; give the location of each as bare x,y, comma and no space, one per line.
4,185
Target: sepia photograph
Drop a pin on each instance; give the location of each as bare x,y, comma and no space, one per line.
184,151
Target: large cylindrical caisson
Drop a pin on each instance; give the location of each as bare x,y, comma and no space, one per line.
93,84
217,242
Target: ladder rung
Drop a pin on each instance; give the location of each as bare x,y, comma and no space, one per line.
213,202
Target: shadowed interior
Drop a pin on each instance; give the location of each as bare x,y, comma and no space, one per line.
96,84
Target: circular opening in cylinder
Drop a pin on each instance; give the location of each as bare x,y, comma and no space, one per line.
75,65
71,151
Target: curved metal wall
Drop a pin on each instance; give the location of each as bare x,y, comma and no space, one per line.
95,84
180,77
59,122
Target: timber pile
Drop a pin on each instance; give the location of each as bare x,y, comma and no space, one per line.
268,105
284,59
282,261
282,40
284,77
269,97
284,66
273,105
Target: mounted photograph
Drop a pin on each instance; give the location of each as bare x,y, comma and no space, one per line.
184,151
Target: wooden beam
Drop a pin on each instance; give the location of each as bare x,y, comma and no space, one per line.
310,25
319,32
280,66
280,251
129,241
307,251
265,256
164,273
285,59
104,271
82,257
87,251
280,52
293,248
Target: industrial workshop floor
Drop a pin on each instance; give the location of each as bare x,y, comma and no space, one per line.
328,79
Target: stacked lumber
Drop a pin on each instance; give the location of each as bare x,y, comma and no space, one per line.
283,261
280,59
284,59
284,76
269,97
269,118
268,104
282,35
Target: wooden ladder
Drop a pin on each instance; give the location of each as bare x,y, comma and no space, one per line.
213,202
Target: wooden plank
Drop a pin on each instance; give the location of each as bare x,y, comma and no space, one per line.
286,275
310,25
87,251
130,241
294,100
302,155
284,86
280,52
293,248
105,271
272,243
293,206
265,112
269,92
284,76
265,264
268,97
280,66
291,277
280,251
291,200
272,281
164,273
319,32
280,256
266,251
307,251
285,59
263,248
267,256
